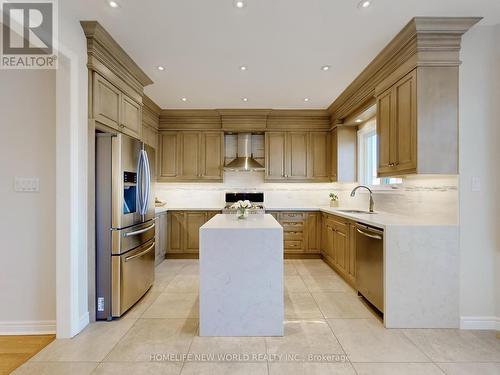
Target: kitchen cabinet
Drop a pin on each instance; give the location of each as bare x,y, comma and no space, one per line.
343,154
116,109
297,156
301,232
397,127
130,117
106,102
183,232
338,246
191,156
161,231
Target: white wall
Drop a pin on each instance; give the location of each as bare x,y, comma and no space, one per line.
72,176
480,157
27,229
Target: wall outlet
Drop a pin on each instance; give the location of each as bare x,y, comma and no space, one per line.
27,184
475,183
100,304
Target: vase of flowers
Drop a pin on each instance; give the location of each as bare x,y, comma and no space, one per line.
334,200
242,208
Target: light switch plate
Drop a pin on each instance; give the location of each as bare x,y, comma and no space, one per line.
27,184
475,183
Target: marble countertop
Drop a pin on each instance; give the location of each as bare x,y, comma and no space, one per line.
378,219
227,221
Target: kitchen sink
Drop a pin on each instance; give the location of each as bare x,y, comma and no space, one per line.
357,212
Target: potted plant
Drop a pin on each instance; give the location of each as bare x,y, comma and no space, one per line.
242,208
334,200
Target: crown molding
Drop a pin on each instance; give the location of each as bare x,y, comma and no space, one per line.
424,41
151,105
106,56
256,120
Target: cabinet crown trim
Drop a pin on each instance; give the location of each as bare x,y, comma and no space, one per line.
102,47
424,41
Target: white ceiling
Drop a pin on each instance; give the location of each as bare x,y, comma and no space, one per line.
284,43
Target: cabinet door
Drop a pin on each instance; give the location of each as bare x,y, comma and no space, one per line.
106,102
131,117
334,156
212,155
313,226
169,153
176,232
384,125
319,156
190,156
163,235
405,96
351,249
275,155
296,155
340,244
211,214
194,220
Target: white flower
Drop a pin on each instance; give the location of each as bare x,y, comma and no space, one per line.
246,204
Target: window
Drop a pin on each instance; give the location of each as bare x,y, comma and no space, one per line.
367,157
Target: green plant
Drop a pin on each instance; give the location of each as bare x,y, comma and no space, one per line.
334,197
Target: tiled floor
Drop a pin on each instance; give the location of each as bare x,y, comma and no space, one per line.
328,327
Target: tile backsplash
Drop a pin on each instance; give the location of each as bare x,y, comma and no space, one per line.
425,196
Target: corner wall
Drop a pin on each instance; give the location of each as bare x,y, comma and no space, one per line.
480,157
27,149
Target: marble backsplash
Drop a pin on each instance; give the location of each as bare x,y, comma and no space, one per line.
425,196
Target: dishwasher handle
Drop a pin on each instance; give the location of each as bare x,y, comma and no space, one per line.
370,232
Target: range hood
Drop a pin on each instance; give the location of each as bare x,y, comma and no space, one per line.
244,161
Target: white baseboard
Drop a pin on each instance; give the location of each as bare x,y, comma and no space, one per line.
36,327
84,321
480,322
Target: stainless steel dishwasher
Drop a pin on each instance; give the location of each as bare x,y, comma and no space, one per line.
370,264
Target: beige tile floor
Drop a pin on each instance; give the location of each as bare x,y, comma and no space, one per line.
326,321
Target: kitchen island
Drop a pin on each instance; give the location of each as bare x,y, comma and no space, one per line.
241,276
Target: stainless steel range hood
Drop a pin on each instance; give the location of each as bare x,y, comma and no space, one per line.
244,161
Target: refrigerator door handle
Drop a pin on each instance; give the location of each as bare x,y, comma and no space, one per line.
140,194
148,182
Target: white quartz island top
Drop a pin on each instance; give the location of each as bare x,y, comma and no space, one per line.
241,276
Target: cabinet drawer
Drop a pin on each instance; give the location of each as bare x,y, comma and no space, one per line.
292,225
293,245
293,235
292,216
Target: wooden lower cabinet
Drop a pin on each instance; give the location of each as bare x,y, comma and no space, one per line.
301,232
184,232
338,245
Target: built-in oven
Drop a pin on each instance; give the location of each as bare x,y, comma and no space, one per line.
370,264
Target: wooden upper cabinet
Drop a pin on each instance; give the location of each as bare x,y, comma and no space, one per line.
169,153
405,98
397,127
212,152
385,124
190,156
334,156
319,156
106,102
131,117
275,155
297,155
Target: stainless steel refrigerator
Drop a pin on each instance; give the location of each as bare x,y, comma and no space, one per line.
125,223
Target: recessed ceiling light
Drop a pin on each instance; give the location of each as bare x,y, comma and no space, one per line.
243,68
239,4
244,99
306,99
161,68
184,99
365,3
358,120
113,4
325,68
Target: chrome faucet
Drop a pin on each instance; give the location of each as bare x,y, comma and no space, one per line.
353,193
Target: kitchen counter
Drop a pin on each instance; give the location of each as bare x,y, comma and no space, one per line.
378,219
241,276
